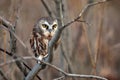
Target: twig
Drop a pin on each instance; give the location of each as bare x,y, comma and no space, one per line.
83,21
6,73
10,54
58,69
88,46
67,59
3,75
99,39
47,8
8,25
83,11
17,12
60,15
20,64
59,78
59,12
5,43
74,75
14,60
13,55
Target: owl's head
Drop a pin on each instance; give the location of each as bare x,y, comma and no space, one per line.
47,26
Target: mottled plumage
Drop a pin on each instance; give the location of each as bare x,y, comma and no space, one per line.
42,33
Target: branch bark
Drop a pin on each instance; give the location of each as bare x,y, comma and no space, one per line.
47,8
8,26
74,75
3,75
58,69
25,72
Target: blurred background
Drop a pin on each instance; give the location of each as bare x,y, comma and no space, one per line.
90,47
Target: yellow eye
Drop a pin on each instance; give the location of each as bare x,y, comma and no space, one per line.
54,26
44,26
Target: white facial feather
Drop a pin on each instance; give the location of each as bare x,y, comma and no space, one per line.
50,26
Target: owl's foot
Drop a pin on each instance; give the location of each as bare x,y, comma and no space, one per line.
39,59
38,62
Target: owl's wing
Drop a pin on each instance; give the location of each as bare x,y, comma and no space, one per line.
31,41
33,45
56,44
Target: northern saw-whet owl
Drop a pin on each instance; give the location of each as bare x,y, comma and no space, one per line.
43,31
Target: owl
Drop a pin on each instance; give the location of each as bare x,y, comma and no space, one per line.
42,33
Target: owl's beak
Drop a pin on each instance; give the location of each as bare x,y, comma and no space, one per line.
50,30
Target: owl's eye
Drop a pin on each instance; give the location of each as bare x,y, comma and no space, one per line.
54,26
45,26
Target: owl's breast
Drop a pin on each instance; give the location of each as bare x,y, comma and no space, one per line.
46,41
39,44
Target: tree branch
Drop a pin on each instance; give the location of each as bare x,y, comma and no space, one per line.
60,78
3,75
6,24
83,11
47,8
24,71
14,60
58,69
74,75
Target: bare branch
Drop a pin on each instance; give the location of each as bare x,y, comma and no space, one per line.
99,38
31,69
3,75
33,72
47,8
10,54
83,21
21,66
13,55
60,78
58,69
83,11
8,26
14,60
18,11
74,75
